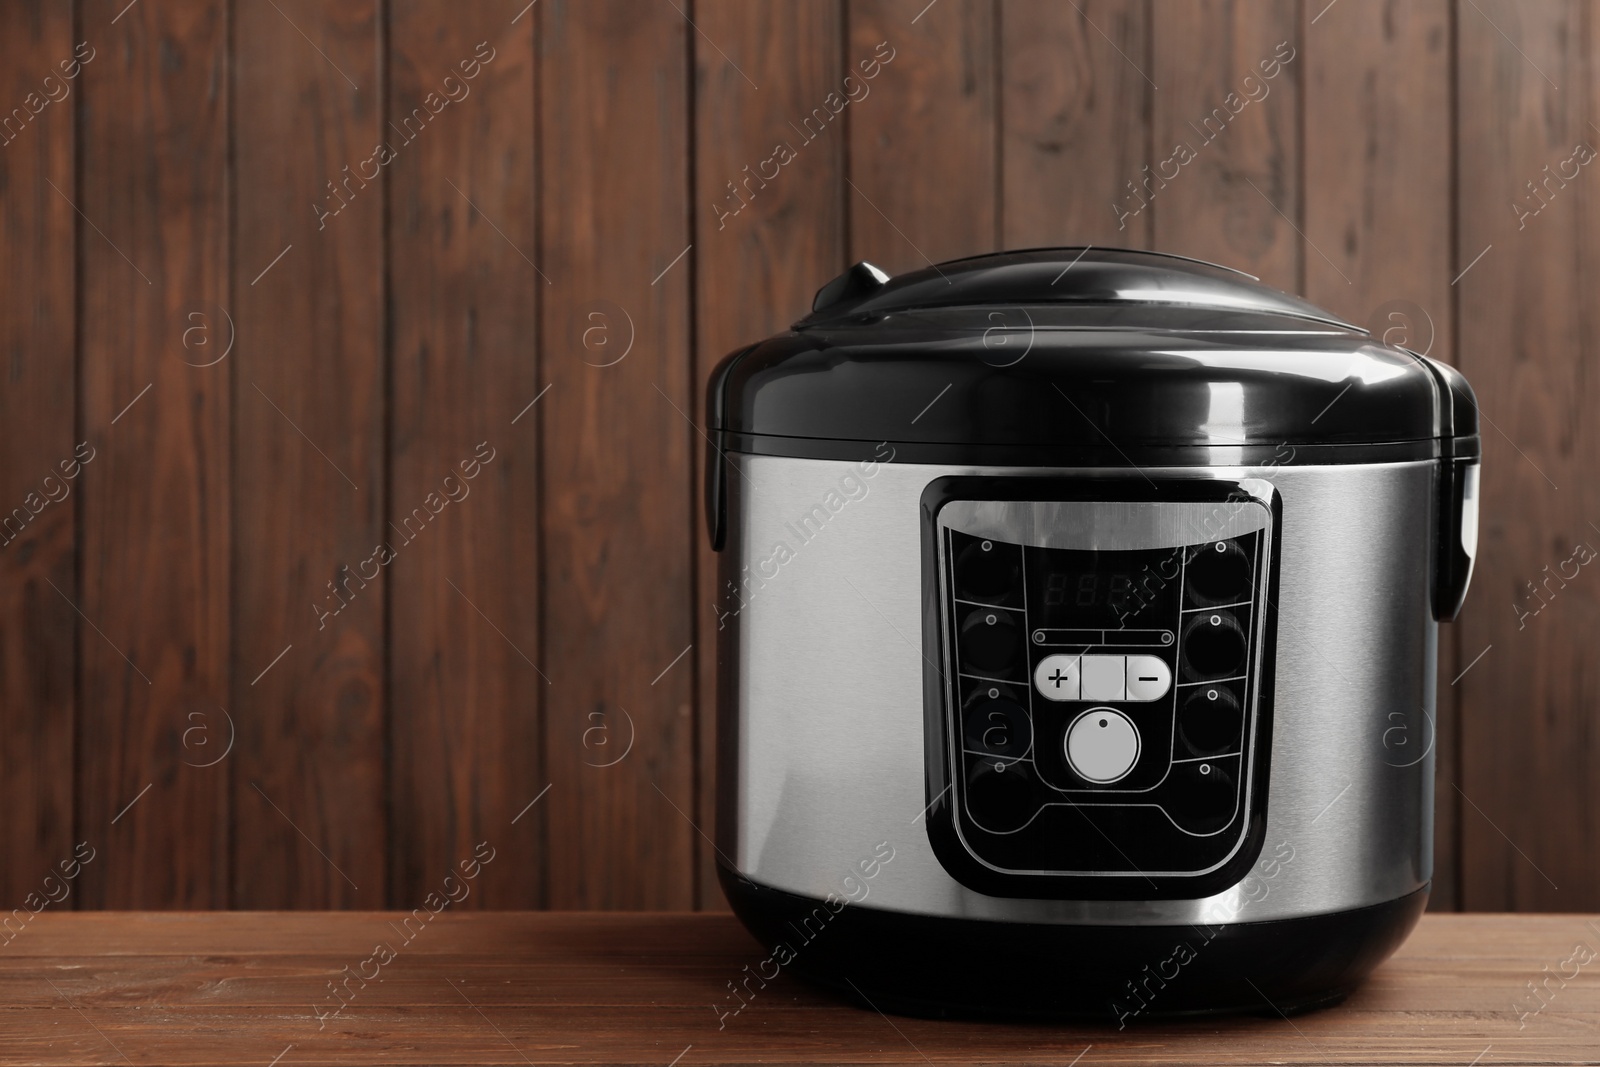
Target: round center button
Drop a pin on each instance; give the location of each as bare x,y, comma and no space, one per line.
1102,745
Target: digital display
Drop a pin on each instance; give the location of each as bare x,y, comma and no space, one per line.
1088,589
1108,590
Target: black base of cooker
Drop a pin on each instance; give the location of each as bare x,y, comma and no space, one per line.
941,967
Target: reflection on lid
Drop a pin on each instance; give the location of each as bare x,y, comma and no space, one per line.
1224,423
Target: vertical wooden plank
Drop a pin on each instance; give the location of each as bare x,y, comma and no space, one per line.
614,116
1377,146
466,683
1075,100
759,260
1527,257
308,395
1378,205
154,638
40,78
923,149
1226,134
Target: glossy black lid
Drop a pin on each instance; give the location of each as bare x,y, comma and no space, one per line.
1105,350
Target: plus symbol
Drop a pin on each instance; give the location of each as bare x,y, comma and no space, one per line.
1057,678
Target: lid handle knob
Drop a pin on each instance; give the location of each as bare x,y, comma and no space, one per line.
860,280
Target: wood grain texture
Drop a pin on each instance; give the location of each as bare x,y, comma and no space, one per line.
1225,136
922,161
38,501
154,593
307,370
1378,172
617,439
392,339
1378,166
1526,78
760,260
580,988
466,681
1075,101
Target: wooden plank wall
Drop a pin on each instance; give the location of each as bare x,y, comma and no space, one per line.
363,349
154,575
1526,323
38,428
308,389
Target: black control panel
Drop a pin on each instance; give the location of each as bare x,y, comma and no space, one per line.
1102,713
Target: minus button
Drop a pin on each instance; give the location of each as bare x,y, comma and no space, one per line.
1149,678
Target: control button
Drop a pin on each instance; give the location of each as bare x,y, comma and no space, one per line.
1149,678
1056,677
989,642
1210,720
1213,646
1218,573
1104,678
1210,797
1102,745
1000,796
997,726
987,571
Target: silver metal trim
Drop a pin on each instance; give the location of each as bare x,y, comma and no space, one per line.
1108,525
825,670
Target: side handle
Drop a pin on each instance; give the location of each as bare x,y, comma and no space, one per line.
716,491
716,435
1457,546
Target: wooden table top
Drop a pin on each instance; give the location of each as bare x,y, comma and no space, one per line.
534,988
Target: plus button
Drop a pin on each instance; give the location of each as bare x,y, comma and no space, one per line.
1056,676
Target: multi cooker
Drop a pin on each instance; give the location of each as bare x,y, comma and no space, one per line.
1078,624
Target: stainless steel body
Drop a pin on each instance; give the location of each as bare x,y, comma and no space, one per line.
823,718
